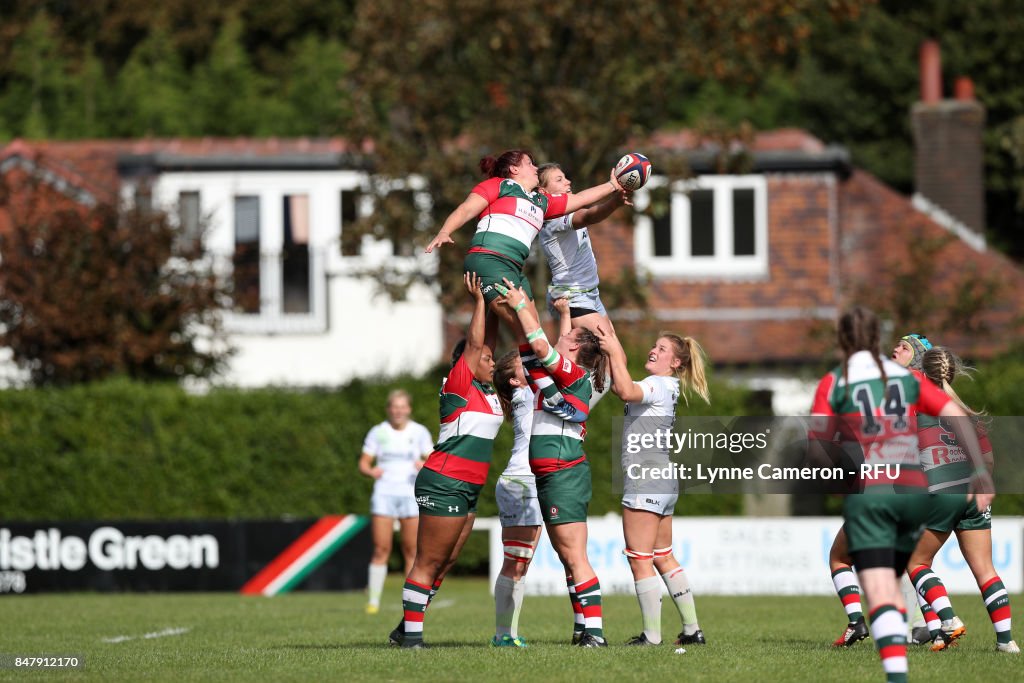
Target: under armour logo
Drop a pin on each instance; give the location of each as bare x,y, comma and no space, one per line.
453,508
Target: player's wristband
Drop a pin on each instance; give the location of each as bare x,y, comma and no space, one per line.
536,334
979,471
551,357
520,306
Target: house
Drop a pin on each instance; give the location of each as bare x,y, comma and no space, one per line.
756,263
274,213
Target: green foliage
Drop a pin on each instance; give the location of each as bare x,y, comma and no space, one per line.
572,83
151,90
120,449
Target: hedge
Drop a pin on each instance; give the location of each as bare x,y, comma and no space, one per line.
120,449
127,450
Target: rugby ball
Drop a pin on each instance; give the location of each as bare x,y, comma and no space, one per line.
633,171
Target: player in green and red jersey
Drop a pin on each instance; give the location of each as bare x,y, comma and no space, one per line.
449,483
949,473
909,352
575,365
873,402
510,212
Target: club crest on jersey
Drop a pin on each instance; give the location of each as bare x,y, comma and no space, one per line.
566,365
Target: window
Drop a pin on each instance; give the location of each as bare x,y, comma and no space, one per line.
351,240
711,226
295,272
246,258
278,274
403,205
189,220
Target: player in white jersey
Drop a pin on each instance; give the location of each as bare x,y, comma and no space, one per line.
516,494
676,366
393,453
570,255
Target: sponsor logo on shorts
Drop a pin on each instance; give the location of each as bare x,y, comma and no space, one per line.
651,501
424,501
554,512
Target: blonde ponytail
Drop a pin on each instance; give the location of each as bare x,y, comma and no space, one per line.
691,374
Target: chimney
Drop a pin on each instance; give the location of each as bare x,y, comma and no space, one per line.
948,151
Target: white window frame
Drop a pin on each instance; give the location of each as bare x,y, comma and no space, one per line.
272,318
217,191
723,264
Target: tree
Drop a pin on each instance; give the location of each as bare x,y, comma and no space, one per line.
437,89
37,84
86,293
314,88
227,90
152,89
858,82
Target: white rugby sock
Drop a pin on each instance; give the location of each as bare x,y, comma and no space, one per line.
648,593
504,605
518,593
682,596
378,572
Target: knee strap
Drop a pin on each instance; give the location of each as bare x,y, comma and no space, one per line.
636,555
662,552
518,551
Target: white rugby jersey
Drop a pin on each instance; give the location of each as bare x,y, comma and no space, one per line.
656,410
522,426
397,452
569,253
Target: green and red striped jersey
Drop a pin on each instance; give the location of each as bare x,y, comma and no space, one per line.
556,444
470,418
947,465
512,219
880,415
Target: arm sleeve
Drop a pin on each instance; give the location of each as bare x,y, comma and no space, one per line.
370,444
426,445
560,224
459,380
932,399
488,189
822,423
652,392
556,205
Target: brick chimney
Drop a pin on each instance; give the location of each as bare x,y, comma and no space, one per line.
948,151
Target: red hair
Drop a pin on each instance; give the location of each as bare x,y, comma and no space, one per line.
499,168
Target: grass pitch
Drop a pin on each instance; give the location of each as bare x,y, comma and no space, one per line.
327,636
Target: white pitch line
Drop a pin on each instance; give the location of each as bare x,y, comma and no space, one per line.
155,634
